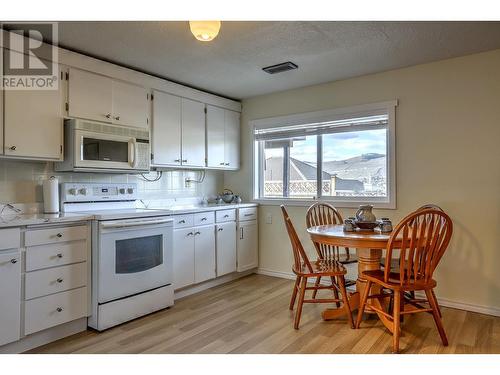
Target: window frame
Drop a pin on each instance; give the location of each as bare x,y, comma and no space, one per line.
388,107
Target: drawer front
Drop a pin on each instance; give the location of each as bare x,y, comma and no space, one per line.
45,256
204,218
249,213
55,280
225,215
50,311
54,235
183,221
11,238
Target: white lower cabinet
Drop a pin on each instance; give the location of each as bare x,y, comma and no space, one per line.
226,248
183,257
10,295
247,245
204,253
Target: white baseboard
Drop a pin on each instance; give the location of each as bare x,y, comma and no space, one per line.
487,310
180,293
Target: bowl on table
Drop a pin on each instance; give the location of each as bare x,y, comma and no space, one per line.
366,225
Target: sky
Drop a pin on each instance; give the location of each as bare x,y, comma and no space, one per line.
339,146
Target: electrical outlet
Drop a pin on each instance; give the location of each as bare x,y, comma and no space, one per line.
269,218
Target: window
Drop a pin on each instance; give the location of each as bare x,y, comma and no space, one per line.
345,156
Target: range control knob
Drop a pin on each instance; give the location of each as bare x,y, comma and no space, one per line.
72,191
130,190
83,191
122,191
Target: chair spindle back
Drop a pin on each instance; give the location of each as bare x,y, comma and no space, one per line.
299,254
422,237
324,214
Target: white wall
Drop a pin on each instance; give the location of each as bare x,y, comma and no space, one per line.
447,153
21,182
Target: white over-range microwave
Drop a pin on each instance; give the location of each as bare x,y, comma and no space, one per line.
97,147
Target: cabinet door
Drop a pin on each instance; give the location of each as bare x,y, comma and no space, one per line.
130,105
193,133
226,248
1,103
166,131
10,295
215,137
232,139
204,253
33,123
183,257
89,96
247,247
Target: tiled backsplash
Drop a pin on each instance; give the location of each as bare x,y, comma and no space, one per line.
21,182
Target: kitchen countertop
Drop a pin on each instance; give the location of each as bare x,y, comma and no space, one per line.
25,219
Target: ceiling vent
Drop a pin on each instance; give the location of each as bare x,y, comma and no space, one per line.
278,68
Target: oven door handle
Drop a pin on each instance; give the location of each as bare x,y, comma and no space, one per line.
125,224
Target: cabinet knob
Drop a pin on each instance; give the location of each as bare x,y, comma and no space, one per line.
184,160
59,309
196,233
13,261
108,115
226,216
220,229
203,218
12,148
190,234
182,221
59,235
222,163
59,255
59,280
117,118
177,160
226,164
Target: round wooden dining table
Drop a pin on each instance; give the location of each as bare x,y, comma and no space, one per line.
369,246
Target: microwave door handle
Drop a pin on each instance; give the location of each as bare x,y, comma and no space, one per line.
133,153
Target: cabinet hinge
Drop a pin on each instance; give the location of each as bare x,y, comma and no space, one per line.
205,109
152,97
62,75
152,156
61,149
67,106
67,76
147,120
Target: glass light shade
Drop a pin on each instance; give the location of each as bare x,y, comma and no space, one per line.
204,31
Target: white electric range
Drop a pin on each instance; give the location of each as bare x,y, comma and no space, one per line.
132,252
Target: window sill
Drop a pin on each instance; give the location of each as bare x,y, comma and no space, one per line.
309,202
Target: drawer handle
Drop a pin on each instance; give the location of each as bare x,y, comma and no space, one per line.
226,216
117,118
248,215
13,261
220,229
12,148
59,235
59,280
184,160
177,160
196,233
182,222
203,219
59,309
226,163
190,234
108,115
59,255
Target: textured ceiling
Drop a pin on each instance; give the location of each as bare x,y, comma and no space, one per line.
231,65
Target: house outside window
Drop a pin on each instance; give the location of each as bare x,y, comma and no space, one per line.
345,156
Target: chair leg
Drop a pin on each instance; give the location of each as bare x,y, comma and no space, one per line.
316,284
335,291
345,300
396,321
437,304
362,303
294,292
302,291
435,314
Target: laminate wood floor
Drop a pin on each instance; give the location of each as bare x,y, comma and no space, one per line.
251,315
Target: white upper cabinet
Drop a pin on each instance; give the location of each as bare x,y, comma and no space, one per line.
193,133
223,138
215,137
95,97
232,139
166,129
90,96
130,105
33,123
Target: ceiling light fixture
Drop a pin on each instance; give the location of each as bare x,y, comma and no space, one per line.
204,31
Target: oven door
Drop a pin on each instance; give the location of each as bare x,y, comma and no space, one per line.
134,255
105,151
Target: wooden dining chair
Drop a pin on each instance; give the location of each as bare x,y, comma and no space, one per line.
422,237
304,269
325,214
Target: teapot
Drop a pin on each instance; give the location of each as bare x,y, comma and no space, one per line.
365,214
